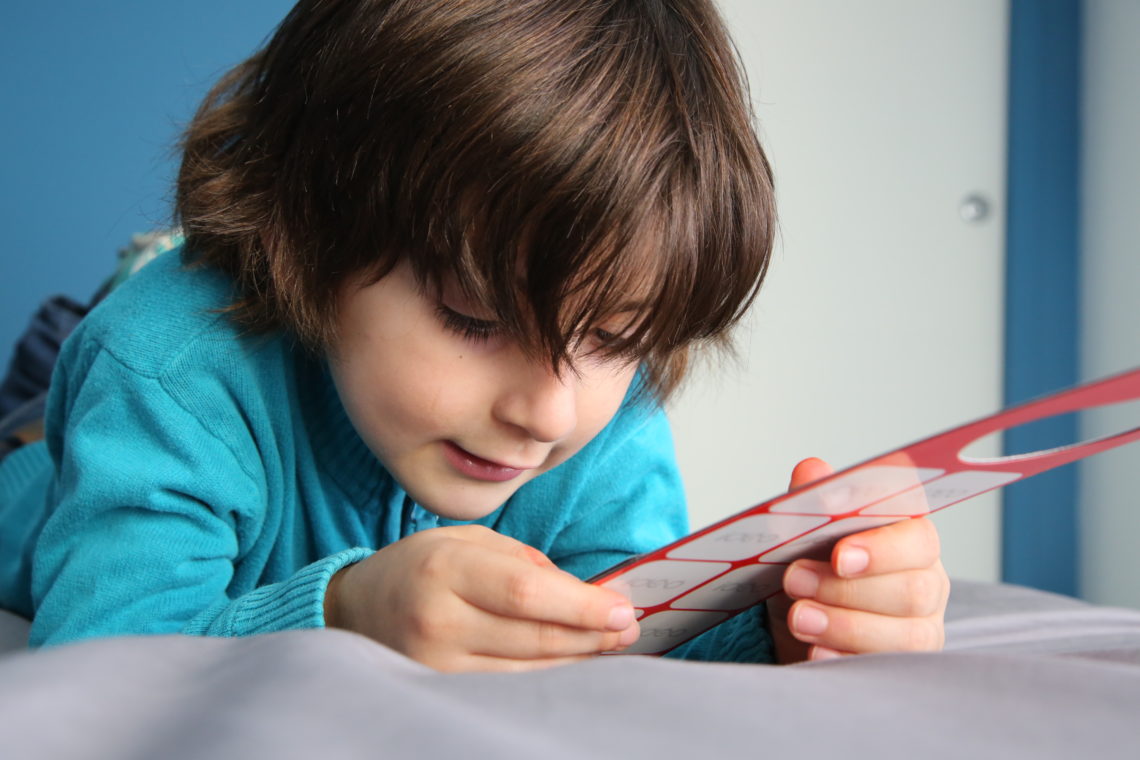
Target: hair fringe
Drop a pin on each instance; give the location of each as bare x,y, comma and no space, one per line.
592,147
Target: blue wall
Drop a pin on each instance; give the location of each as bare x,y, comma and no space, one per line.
1039,517
95,95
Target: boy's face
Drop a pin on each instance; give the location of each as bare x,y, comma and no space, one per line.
454,410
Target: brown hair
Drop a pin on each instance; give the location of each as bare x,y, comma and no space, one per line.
555,156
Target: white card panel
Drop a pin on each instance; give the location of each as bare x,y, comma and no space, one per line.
657,582
747,537
942,492
817,544
856,490
907,503
963,485
743,587
664,630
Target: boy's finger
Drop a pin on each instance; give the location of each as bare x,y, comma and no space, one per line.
491,539
845,630
816,653
511,587
908,593
807,471
788,648
492,636
910,544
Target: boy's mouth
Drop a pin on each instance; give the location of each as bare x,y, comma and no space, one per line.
476,467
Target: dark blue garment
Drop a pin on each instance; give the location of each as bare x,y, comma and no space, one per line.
24,388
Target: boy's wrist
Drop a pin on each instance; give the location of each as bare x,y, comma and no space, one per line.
332,606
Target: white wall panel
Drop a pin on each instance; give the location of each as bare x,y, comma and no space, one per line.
1110,294
881,321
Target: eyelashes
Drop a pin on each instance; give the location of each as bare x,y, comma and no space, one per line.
605,337
469,328
482,330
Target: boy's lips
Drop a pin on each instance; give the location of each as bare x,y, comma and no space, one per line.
478,468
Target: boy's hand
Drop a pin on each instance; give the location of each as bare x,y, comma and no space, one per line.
467,598
883,590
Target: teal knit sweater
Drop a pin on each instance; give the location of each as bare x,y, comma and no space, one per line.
197,480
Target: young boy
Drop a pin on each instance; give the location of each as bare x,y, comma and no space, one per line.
443,263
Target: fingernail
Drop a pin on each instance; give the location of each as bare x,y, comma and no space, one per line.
801,583
809,621
822,653
620,618
853,561
629,635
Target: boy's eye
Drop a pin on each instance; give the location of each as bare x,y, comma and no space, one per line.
601,344
604,337
467,327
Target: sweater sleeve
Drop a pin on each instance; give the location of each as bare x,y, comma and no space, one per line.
151,511
631,501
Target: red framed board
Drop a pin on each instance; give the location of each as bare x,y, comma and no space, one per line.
685,588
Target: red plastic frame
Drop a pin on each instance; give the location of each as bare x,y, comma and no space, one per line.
697,582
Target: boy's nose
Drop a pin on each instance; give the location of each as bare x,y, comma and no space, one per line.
540,402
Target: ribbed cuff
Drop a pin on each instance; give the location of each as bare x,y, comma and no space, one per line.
296,603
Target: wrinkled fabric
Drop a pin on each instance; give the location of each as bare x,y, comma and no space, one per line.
331,694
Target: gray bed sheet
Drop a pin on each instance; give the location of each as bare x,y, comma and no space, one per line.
1024,674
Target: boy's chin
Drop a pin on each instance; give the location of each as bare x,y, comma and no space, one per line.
464,503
